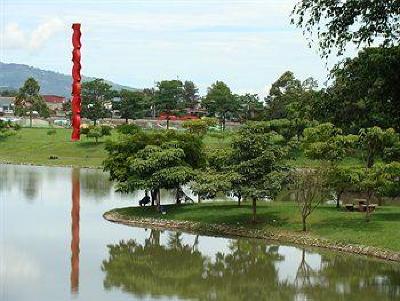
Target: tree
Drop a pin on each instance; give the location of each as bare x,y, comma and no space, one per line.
96,132
327,143
220,101
337,23
28,100
130,105
95,94
153,160
190,95
257,154
310,189
169,97
376,180
199,126
290,98
374,141
366,91
250,107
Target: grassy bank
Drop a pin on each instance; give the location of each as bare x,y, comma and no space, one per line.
326,222
35,146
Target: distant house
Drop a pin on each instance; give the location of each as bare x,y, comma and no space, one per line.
55,103
6,105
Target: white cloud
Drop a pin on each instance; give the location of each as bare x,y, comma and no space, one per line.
13,37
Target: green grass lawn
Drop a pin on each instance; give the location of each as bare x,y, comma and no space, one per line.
326,222
34,146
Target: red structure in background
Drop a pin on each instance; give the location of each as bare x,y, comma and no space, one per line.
76,85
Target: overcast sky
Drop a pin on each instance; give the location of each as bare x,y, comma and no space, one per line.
247,44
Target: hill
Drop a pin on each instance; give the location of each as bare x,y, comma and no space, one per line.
12,76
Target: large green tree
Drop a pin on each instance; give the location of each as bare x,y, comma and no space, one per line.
257,156
366,90
130,105
190,95
169,97
95,94
220,101
28,100
153,160
336,23
292,98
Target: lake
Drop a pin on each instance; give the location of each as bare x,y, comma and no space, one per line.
55,245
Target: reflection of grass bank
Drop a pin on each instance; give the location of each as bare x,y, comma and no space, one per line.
282,221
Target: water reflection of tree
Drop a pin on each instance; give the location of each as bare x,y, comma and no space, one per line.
29,184
179,269
95,184
343,277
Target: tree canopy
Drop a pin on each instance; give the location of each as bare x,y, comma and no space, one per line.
337,23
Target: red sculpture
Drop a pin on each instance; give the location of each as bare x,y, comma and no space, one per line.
76,85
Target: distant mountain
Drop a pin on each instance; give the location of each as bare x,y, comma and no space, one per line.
13,76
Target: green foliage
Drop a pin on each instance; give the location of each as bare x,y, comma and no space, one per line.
373,142
310,189
292,99
169,95
257,154
153,159
96,132
250,107
337,23
131,104
29,100
392,153
199,126
128,129
326,142
190,95
365,91
220,102
95,94
7,128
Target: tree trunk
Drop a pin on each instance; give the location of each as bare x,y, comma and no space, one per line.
239,199
254,210
95,122
96,139
168,122
338,197
367,213
198,198
126,120
303,220
177,196
153,197
158,199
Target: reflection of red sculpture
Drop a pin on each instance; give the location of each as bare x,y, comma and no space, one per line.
76,86
75,231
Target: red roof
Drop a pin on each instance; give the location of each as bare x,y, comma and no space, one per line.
53,98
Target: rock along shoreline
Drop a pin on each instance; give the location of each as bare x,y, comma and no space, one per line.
233,231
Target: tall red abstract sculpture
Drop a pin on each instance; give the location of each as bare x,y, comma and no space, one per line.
76,85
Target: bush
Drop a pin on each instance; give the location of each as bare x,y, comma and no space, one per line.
199,126
128,129
96,132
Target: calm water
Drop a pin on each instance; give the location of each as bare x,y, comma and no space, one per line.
55,245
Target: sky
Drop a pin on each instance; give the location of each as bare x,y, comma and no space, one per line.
246,43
